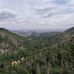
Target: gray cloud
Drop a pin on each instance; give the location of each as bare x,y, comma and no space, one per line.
5,15
37,14
61,1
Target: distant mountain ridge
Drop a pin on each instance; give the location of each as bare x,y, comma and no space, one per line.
12,41
38,31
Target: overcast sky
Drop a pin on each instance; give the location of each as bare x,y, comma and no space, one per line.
36,14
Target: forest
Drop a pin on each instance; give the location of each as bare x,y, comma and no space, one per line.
47,53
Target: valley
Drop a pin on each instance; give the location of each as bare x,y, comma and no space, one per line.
38,53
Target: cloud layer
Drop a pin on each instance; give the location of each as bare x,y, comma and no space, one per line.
4,15
37,14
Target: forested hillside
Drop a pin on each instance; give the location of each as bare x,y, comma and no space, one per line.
47,53
11,42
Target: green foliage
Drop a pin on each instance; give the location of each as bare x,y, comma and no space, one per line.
44,54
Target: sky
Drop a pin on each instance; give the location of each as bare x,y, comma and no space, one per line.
36,14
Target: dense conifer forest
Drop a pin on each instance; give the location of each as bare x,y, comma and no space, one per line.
47,53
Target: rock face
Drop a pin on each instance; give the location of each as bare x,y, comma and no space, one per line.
9,41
